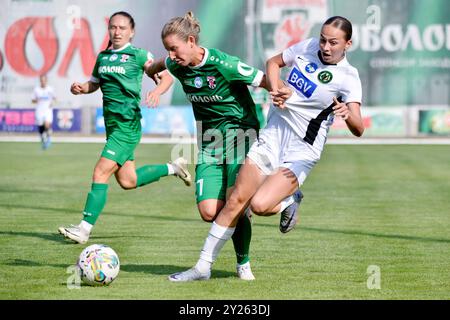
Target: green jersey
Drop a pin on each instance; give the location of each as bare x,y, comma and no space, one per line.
217,89
119,73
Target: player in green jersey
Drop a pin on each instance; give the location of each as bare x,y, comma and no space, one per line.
118,72
217,86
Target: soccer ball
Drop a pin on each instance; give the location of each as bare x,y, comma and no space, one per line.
98,264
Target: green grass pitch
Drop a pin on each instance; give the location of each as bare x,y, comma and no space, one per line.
383,206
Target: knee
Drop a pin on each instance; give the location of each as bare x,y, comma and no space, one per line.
259,206
126,183
98,175
208,213
236,200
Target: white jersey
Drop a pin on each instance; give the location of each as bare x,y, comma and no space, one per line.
44,98
309,110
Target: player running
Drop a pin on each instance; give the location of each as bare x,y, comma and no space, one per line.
216,85
44,96
321,85
118,72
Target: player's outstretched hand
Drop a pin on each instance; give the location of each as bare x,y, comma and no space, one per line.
341,109
76,88
280,96
152,99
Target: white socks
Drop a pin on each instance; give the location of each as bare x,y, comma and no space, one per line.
216,239
286,203
86,226
171,170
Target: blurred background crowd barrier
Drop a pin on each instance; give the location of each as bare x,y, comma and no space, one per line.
401,49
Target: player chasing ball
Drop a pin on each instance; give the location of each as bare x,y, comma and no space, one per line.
118,73
321,85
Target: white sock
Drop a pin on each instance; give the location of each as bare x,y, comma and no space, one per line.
171,170
216,239
286,203
86,226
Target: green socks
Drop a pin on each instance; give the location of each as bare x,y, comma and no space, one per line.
95,202
150,173
241,239
96,199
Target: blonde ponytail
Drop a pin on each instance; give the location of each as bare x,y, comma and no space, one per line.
183,27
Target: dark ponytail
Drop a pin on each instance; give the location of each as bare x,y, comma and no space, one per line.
125,14
342,24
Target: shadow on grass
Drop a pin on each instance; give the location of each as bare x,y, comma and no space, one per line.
363,233
156,269
41,235
126,215
58,238
159,269
29,263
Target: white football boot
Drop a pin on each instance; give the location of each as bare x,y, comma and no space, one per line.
180,167
289,216
244,272
189,275
75,233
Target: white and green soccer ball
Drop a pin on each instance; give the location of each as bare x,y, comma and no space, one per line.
99,265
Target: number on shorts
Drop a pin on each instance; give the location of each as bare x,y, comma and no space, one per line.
200,187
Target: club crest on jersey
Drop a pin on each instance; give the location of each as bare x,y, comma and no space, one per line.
311,67
113,57
325,76
124,58
211,82
198,82
303,85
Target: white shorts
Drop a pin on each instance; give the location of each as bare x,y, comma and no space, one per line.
43,116
279,146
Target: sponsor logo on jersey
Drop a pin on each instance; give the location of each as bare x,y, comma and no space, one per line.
124,58
207,99
325,76
198,82
111,69
305,86
311,67
244,69
113,57
211,81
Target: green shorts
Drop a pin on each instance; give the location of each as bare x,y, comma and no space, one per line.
218,167
122,138
212,181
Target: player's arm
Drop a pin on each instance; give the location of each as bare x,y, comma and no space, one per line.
84,88
164,84
351,113
265,84
276,87
154,68
273,67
